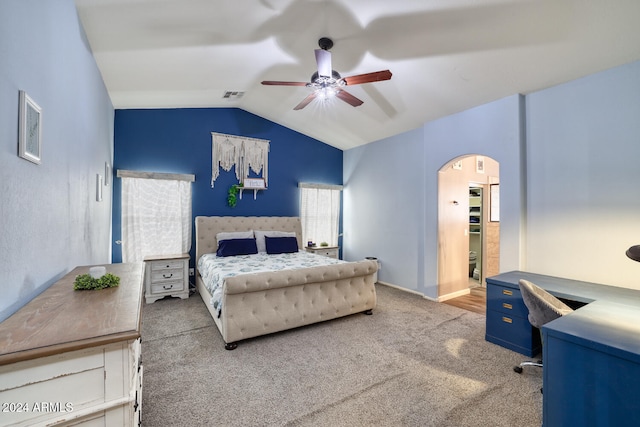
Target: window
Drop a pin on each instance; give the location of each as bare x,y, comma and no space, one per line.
156,214
320,212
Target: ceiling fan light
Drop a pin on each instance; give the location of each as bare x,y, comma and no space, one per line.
325,93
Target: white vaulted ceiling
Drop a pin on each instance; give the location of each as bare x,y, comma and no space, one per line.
445,55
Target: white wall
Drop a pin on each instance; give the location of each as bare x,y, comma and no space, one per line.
51,221
390,198
583,194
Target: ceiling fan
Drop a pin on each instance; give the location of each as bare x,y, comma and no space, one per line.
327,83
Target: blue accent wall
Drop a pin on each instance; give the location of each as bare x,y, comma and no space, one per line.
179,141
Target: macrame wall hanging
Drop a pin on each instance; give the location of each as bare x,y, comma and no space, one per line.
243,152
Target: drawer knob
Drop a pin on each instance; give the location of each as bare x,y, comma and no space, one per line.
507,292
167,277
507,320
507,306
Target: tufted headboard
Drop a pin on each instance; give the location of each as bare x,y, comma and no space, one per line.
208,226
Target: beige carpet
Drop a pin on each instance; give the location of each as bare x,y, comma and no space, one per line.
412,363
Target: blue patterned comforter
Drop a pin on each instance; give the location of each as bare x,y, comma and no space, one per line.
214,269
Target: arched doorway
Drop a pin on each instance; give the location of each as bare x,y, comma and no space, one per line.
466,224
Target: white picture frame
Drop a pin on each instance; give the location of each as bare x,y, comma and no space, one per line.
107,174
254,183
30,129
98,188
479,164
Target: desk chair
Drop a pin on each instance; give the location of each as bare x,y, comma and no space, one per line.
543,308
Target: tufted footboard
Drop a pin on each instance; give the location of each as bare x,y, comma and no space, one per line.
263,303
258,304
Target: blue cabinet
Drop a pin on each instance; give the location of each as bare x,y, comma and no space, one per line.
507,324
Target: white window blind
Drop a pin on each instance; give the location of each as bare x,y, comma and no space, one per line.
156,217
320,212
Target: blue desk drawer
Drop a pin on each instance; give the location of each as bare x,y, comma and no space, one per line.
506,300
512,332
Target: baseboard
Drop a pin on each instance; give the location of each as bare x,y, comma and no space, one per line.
452,295
441,298
411,291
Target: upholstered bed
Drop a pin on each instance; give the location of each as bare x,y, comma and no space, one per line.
255,304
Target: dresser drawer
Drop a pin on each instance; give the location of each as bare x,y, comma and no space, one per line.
168,264
506,300
166,275
512,332
170,286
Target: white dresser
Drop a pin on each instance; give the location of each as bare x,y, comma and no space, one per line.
166,275
73,357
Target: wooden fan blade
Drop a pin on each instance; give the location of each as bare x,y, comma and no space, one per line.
348,98
276,83
305,101
376,76
323,59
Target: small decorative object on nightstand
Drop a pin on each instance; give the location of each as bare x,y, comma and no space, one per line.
166,275
328,251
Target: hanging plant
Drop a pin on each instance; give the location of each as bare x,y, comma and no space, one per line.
232,196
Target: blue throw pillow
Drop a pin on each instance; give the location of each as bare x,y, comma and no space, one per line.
233,247
281,245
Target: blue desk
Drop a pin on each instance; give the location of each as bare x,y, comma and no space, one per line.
591,374
507,324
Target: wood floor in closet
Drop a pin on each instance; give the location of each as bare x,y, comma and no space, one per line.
475,301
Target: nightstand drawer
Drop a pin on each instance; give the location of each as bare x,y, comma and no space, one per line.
169,264
166,275
167,287
331,251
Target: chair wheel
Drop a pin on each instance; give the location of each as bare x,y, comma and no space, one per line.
517,369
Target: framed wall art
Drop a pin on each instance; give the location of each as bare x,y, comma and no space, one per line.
30,131
98,187
107,174
254,183
479,164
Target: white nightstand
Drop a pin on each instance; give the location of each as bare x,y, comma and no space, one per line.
328,251
166,275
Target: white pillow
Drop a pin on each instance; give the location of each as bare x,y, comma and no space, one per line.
228,235
260,242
